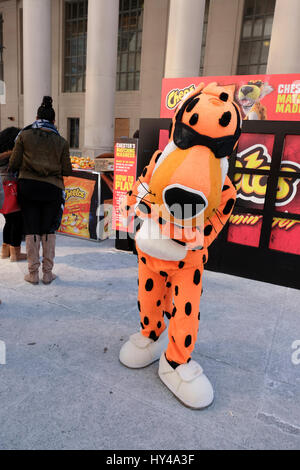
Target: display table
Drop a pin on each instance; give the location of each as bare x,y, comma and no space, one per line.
88,205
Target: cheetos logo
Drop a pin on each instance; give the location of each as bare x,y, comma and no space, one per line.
176,95
75,193
253,187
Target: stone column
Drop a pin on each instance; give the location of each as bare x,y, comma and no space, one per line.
37,55
102,46
223,37
184,38
155,27
284,53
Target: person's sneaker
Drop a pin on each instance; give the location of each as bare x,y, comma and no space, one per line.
140,351
187,382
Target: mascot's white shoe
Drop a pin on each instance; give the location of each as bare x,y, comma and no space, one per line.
187,382
140,351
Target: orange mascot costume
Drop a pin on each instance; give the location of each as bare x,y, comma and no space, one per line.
184,198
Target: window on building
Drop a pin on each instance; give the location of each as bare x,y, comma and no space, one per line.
1,49
129,44
76,13
122,126
204,34
73,132
255,36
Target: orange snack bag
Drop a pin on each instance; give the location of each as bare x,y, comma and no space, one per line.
75,220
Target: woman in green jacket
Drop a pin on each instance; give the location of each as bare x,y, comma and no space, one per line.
41,156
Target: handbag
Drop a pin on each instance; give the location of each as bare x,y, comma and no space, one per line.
11,203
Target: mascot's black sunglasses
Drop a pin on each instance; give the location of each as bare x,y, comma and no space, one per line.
185,137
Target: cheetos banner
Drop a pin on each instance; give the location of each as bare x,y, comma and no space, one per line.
255,152
261,97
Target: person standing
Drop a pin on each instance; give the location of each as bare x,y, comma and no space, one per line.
1,201
42,158
1,193
13,228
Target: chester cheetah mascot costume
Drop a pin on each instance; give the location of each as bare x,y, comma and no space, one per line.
184,198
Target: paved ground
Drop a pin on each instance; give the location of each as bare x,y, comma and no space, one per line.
64,388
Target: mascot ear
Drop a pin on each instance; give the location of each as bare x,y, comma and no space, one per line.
212,88
189,95
266,89
215,89
230,89
198,88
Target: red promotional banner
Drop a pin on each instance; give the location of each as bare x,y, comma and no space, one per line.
285,235
125,153
255,152
261,97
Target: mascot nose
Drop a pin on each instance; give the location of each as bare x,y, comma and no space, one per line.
247,89
184,203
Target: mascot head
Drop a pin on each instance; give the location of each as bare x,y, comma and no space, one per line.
252,92
187,180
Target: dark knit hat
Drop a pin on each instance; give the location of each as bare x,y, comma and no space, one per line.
46,111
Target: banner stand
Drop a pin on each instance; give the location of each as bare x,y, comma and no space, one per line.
125,174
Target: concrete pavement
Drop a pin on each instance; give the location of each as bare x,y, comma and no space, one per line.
63,387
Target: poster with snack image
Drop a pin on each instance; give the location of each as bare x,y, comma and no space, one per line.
260,97
77,213
249,97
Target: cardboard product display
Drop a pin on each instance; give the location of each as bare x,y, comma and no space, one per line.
87,214
104,162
